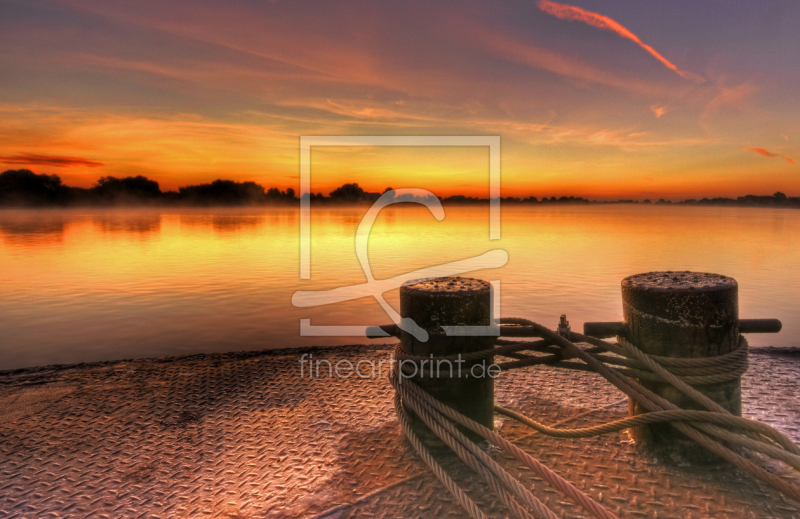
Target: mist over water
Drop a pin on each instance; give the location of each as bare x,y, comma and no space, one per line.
85,285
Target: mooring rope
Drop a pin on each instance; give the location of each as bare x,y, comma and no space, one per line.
410,391
475,458
620,364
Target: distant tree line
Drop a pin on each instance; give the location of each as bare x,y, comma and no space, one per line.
22,187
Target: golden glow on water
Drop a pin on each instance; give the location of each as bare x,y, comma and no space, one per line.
89,285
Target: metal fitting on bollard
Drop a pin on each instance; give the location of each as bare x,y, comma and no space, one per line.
605,330
563,327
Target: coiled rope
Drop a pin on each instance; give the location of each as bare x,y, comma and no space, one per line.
621,364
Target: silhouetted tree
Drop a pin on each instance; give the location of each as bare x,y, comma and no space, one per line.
276,195
24,187
223,192
348,193
127,189
352,193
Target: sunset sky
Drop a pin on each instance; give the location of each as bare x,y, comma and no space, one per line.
602,99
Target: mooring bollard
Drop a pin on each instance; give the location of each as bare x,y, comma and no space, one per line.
682,314
451,301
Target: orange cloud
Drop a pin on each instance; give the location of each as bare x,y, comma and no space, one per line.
573,13
50,160
762,151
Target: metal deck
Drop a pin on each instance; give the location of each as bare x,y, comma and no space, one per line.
242,435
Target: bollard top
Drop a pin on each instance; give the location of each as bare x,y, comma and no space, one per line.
447,285
434,303
681,299
677,282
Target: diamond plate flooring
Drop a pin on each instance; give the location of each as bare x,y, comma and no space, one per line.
244,435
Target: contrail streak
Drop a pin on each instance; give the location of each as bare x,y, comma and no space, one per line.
573,13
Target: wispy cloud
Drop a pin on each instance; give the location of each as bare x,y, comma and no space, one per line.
765,153
659,110
188,92
549,60
599,21
734,97
50,160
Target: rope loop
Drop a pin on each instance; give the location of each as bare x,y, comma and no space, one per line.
623,365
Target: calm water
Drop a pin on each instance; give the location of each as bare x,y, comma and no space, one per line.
82,285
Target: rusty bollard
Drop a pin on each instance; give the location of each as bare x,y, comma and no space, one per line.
451,301
682,314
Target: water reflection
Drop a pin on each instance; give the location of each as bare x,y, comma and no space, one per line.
31,229
225,223
282,216
232,221
128,223
207,280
